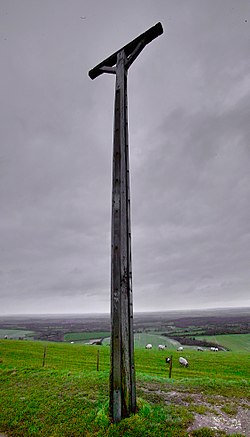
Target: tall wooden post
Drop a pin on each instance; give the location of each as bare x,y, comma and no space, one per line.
122,373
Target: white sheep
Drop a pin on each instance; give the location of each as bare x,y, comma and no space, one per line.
161,347
148,346
183,362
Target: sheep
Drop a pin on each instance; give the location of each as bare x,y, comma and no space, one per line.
168,359
148,346
180,349
161,347
214,349
200,349
183,362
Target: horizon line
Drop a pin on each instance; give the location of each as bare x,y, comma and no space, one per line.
135,312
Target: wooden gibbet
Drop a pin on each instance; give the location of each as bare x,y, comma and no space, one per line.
122,373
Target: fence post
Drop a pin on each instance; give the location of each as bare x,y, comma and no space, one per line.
44,355
170,366
97,360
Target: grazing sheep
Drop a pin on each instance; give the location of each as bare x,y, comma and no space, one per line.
180,349
214,349
200,349
183,362
168,359
161,347
148,346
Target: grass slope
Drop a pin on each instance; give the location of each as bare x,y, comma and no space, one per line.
142,339
234,342
68,397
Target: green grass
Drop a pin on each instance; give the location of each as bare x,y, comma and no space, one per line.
234,342
52,403
68,397
60,356
224,365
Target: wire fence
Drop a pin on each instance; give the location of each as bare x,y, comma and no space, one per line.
61,356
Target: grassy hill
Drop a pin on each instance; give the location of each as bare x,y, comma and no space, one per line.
65,395
154,338
233,342
141,339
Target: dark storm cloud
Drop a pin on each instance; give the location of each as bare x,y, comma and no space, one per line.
189,136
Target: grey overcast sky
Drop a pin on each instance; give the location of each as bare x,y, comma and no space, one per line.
189,121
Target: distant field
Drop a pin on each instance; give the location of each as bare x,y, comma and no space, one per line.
16,333
175,324
85,336
142,339
234,342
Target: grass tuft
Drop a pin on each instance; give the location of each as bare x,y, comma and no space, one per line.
230,409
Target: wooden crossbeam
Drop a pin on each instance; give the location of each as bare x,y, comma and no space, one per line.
145,38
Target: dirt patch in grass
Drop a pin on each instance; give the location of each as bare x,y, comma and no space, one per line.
239,424
218,413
